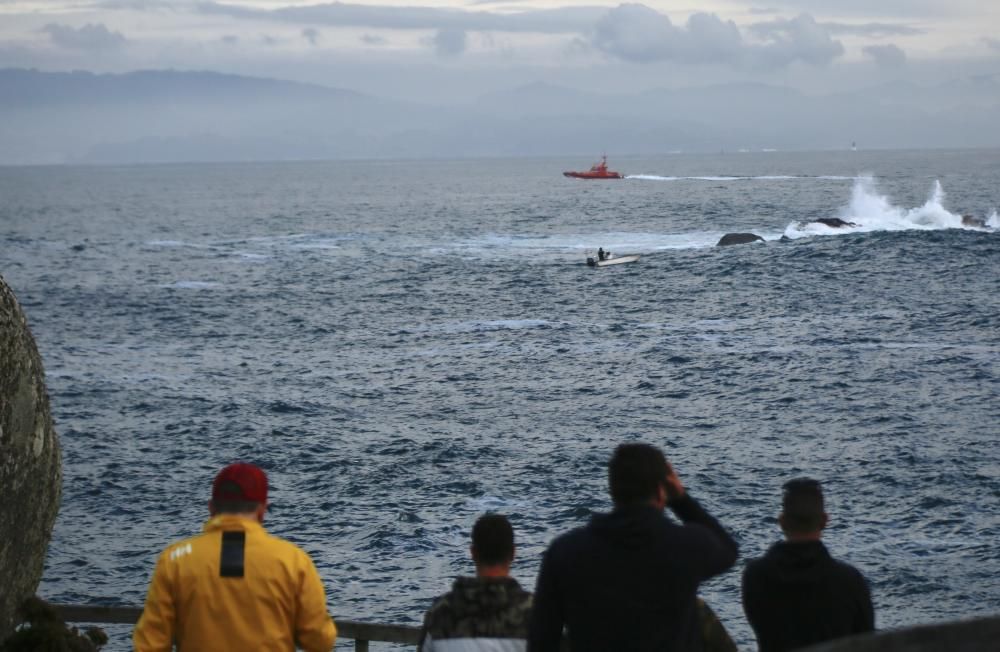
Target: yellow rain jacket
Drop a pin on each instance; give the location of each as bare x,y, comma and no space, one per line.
235,587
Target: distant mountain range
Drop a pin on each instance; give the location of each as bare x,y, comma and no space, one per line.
167,116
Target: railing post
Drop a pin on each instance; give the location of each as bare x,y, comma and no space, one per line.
360,645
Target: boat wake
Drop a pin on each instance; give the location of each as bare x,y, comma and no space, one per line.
780,177
576,246
869,210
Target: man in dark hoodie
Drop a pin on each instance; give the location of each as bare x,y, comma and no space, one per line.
627,581
797,594
485,613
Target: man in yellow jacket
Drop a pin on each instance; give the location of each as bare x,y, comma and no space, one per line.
235,587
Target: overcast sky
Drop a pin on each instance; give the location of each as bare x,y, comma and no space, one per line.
456,49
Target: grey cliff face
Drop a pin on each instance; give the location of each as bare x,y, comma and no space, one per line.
30,470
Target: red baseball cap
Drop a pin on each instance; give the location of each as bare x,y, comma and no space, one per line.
240,482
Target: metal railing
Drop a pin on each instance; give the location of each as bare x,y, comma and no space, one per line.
362,633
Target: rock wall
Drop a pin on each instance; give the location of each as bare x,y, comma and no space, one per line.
30,469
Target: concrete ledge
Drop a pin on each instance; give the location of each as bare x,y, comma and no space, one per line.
977,635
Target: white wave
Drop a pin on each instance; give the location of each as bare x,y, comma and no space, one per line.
477,326
319,243
192,285
489,503
993,221
169,243
290,241
869,210
250,255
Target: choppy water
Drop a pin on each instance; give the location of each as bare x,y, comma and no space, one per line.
404,346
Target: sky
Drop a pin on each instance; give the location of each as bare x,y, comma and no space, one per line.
456,50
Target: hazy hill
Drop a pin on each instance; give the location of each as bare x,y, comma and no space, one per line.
152,116
170,115
19,88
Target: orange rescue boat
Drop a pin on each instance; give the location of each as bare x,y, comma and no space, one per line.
597,171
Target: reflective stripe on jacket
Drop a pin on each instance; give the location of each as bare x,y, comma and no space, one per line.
479,614
235,587
475,645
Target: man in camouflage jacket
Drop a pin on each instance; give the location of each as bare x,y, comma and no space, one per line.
486,613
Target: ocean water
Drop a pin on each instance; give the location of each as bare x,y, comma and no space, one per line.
407,345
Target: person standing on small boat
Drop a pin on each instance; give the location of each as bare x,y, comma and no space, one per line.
600,254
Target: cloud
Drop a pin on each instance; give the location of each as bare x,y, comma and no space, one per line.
89,37
564,20
873,30
886,56
992,43
796,39
637,33
373,39
139,5
449,42
908,8
230,39
310,34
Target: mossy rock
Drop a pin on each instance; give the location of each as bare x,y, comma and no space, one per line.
30,470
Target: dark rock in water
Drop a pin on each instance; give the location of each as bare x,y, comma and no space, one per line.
30,471
835,222
41,628
78,247
738,238
976,222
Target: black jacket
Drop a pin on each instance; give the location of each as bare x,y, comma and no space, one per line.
798,595
627,581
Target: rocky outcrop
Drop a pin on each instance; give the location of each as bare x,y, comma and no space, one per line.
834,222
738,238
974,222
30,471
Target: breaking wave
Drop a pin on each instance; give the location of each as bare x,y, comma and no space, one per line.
869,210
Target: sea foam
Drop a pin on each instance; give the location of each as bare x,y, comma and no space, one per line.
869,210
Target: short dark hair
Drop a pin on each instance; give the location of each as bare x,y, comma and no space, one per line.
234,506
802,505
492,540
635,473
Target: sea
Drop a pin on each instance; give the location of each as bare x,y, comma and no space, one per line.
406,345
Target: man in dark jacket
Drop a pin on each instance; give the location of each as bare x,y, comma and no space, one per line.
485,613
797,594
627,581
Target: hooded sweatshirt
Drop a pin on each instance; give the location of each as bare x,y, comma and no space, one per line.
627,581
479,614
797,595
